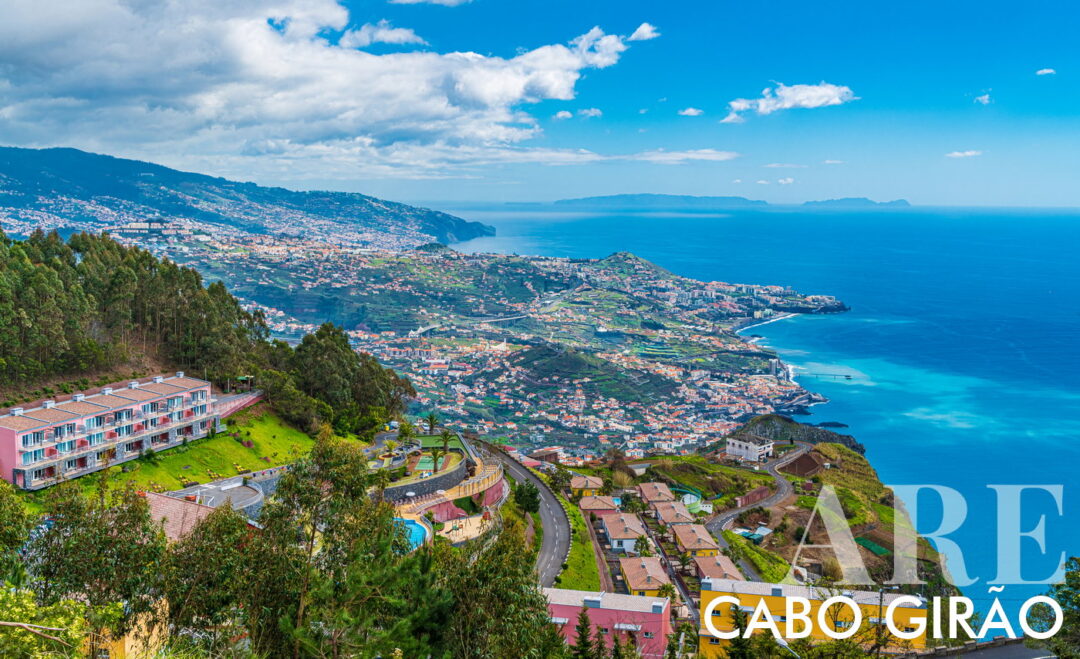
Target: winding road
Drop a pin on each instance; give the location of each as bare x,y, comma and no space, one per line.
556,542
784,489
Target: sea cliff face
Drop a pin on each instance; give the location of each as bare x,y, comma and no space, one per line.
780,428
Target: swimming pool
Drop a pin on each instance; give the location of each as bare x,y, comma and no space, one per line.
416,531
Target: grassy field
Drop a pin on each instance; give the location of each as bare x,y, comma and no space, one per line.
581,572
770,566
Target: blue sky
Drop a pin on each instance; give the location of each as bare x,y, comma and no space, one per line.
378,97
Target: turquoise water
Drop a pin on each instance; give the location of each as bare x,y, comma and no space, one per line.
961,342
416,531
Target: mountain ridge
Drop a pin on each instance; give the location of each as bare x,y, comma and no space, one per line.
61,187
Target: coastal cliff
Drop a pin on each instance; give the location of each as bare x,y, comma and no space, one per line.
780,428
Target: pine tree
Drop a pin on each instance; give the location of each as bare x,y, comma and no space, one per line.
583,647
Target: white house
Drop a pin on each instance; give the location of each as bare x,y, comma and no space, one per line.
750,447
623,530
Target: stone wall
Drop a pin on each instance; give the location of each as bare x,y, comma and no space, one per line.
442,481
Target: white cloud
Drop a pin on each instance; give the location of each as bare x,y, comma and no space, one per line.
644,32
963,154
691,112
1045,72
786,97
562,114
590,112
784,165
643,111
761,182
983,100
444,3
786,181
738,180
832,162
249,88
381,32
663,157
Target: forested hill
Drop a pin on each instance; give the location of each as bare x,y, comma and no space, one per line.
72,313
69,188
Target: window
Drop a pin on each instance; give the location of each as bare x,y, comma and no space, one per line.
648,634
196,396
714,641
175,417
176,402
64,430
123,431
32,438
39,474
149,408
30,457
96,438
603,630
153,422
200,410
66,447
123,415
95,422
72,463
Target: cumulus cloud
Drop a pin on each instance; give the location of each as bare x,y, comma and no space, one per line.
589,113
784,165
381,32
246,87
963,154
562,114
787,97
762,182
1045,72
644,32
786,181
832,162
691,112
983,100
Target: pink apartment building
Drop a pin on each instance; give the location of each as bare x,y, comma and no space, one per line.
646,621
58,440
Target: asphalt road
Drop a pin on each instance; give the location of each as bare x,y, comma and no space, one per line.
784,489
1017,651
556,542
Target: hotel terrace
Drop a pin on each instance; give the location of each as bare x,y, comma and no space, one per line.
58,440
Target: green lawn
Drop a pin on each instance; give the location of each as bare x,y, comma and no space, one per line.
434,441
581,572
273,443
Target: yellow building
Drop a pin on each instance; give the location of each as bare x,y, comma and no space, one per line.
695,539
586,486
749,593
644,576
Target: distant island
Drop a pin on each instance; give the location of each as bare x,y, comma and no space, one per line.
857,202
648,201
668,201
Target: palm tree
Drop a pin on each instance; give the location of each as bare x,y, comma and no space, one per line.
382,480
432,420
436,455
446,438
390,445
668,591
684,560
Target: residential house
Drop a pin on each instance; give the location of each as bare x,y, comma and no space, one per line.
623,531
695,540
586,486
717,567
598,505
644,621
653,492
671,513
752,448
643,576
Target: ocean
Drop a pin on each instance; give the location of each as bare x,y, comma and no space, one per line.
961,342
